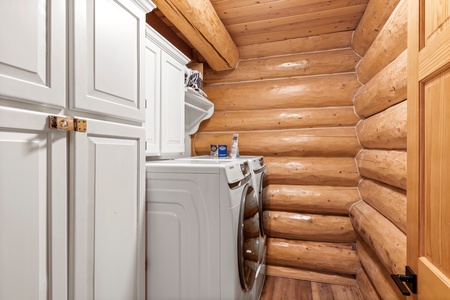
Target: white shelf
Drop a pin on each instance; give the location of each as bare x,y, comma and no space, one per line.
197,109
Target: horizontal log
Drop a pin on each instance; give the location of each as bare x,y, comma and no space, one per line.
385,89
284,93
308,275
251,226
377,274
278,119
374,18
314,63
337,258
386,130
365,286
304,44
198,22
310,199
383,237
300,142
251,249
312,171
385,166
388,200
310,227
389,43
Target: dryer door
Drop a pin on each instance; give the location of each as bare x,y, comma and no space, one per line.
248,238
260,203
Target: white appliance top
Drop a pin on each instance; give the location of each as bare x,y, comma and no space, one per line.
235,170
256,162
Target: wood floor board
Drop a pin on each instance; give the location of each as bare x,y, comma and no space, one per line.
278,288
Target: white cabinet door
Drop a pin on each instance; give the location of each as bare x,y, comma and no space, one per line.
108,216
152,97
33,52
172,105
108,58
33,207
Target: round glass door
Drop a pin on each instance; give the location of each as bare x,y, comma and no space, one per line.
248,238
260,203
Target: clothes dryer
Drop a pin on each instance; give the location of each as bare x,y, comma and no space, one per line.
199,237
258,169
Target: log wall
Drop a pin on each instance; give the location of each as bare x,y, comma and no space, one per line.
380,216
292,101
332,127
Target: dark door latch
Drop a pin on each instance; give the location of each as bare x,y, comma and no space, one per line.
411,281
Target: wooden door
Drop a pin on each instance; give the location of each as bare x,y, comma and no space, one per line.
33,207
33,52
429,146
107,212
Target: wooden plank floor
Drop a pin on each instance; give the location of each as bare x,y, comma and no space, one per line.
278,288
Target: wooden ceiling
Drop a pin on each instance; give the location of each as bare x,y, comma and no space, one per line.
260,21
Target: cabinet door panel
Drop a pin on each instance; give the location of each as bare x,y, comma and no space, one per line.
172,105
32,55
33,193
108,36
108,260
152,96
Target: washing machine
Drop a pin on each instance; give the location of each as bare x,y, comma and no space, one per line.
258,169
202,234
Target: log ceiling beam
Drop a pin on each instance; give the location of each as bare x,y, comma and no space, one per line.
199,23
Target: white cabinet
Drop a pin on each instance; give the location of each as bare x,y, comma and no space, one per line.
33,207
107,53
72,216
33,51
165,70
108,212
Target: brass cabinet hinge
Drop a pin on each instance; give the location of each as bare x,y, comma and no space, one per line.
63,123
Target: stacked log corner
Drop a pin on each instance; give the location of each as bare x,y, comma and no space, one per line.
380,216
293,103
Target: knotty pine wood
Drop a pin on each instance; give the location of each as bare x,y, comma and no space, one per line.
385,89
385,130
303,64
333,200
277,119
388,45
243,12
383,237
344,22
373,20
385,166
377,273
278,288
388,200
198,22
320,142
298,45
289,21
301,92
309,275
310,227
312,171
365,286
334,258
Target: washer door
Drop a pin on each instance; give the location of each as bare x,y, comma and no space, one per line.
260,203
248,243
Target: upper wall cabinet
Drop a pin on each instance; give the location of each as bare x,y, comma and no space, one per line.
165,72
33,52
107,57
